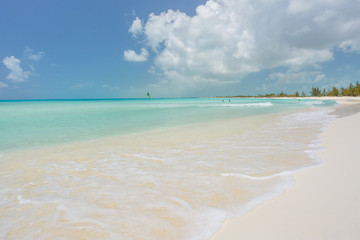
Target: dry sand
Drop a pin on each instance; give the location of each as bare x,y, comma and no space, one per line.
325,201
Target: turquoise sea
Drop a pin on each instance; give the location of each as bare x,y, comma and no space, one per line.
34,123
148,169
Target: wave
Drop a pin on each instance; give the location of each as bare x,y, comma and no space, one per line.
225,104
315,102
264,104
284,173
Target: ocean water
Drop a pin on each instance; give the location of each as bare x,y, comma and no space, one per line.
148,169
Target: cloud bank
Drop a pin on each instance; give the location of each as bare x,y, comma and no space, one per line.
228,39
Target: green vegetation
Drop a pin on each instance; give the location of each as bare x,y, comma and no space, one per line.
352,90
315,91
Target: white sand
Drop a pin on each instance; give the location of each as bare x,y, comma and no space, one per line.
323,204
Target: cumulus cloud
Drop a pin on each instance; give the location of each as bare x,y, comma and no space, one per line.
136,27
227,39
29,53
350,46
132,56
17,74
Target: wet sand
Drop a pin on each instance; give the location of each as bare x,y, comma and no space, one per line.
324,202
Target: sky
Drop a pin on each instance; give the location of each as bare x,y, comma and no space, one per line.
62,49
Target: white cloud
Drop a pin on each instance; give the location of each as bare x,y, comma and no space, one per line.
166,26
33,56
350,46
132,56
3,85
291,77
136,27
227,39
17,74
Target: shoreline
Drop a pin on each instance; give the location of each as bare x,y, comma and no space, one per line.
323,202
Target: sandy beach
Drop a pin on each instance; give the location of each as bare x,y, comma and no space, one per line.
324,202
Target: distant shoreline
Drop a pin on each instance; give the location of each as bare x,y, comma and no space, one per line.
308,97
224,97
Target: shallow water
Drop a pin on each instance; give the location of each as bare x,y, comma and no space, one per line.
177,175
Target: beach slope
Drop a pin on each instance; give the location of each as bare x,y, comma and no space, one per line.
323,204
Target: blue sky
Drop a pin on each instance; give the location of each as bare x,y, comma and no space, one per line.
113,49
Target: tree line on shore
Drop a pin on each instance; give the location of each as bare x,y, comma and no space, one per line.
351,90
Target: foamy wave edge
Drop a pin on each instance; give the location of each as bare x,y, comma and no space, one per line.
281,187
224,104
